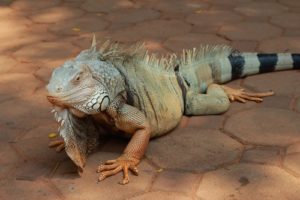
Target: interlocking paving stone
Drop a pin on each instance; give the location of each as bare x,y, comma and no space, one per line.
13,85
291,3
161,195
6,63
292,162
261,8
71,185
191,40
249,181
105,6
276,101
40,151
176,182
21,34
213,17
286,20
31,5
55,14
151,29
129,16
244,46
46,52
249,31
86,24
155,46
280,44
179,6
29,68
24,114
292,159
265,126
262,155
9,134
8,159
294,148
25,190
282,83
206,122
196,149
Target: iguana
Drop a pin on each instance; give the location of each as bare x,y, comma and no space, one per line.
134,93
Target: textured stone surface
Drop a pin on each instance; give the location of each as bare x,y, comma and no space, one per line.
292,162
71,185
249,31
161,195
176,182
31,5
249,181
213,17
130,16
294,148
152,29
8,159
260,8
276,82
265,126
246,46
24,114
197,150
86,24
287,20
280,44
46,51
105,6
6,63
55,14
180,6
9,87
262,155
192,40
21,189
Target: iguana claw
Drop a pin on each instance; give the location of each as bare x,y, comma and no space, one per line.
59,144
112,167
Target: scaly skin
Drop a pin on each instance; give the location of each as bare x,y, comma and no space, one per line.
128,91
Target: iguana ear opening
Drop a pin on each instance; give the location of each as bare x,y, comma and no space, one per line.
94,44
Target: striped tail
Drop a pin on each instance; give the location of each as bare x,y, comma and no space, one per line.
238,65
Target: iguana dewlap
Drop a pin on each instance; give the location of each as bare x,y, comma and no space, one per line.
128,91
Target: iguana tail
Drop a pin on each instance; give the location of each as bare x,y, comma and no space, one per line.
238,65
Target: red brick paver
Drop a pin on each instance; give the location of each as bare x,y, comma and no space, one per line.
250,152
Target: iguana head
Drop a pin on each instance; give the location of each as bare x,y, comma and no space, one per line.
74,85
80,87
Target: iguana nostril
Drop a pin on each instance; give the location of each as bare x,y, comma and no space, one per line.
58,89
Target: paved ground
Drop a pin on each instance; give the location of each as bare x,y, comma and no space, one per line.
251,152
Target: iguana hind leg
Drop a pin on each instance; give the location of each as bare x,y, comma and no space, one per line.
242,96
215,101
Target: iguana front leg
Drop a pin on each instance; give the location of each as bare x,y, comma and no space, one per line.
242,96
130,120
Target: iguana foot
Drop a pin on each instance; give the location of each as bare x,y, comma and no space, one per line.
112,167
59,144
242,96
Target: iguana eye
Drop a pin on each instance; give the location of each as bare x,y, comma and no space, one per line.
78,77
